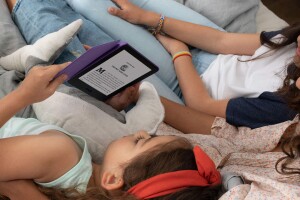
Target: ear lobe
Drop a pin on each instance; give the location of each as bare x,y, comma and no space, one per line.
110,181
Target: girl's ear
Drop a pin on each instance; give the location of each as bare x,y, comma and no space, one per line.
111,181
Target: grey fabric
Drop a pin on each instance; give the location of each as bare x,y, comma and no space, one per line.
232,15
9,80
91,100
230,180
10,41
10,37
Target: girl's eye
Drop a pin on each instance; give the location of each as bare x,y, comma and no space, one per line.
138,138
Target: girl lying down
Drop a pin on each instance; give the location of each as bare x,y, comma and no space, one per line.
117,177
138,166
45,155
133,166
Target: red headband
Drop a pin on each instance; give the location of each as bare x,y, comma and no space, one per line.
171,182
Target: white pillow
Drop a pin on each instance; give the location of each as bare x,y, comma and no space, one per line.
81,118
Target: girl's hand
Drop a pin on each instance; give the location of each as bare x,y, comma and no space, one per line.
172,45
39,83
127,11
123,99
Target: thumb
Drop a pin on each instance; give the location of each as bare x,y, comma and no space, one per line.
114,11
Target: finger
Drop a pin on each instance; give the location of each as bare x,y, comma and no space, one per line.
137,85
57,82
54,69
114,11
119,2
87,47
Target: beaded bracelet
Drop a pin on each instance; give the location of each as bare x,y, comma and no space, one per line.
181,53
159,26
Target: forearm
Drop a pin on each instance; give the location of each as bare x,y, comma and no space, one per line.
10,105
202,37
185,119
194,91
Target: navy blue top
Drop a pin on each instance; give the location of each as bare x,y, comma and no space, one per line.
267,109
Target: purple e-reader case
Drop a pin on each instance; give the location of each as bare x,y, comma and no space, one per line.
104,70
88,58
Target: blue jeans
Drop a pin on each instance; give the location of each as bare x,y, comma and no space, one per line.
141,39
37,18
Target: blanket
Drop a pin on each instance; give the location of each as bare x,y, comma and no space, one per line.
231,15
247,152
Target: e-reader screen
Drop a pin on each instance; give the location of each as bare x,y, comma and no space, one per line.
115,73
110,75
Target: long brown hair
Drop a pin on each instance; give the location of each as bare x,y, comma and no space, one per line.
173,156
289,92
291,148
171,159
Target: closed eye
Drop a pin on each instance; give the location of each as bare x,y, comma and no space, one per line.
140,137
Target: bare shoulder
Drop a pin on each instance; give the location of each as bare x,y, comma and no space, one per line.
63,153
43,157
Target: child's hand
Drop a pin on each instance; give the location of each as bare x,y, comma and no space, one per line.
172,45
127,11
39,84
123,99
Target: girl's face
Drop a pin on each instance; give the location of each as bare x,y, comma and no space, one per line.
120,151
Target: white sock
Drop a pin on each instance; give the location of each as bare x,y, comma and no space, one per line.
44,51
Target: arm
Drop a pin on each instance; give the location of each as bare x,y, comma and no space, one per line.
21,189
186,119
43,157
37,86
192,86
202,37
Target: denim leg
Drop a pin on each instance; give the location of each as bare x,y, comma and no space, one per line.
37,18
140,38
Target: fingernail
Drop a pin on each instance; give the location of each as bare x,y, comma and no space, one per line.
64,77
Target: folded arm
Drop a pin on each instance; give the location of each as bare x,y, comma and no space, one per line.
202,37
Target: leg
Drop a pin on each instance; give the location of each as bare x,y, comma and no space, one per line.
31,16
96,11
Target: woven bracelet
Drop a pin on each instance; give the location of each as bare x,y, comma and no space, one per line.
159,26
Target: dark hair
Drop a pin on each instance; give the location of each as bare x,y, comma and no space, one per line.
291,148
172,159
289,92
173,156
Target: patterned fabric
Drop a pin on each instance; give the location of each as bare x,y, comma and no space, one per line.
247,152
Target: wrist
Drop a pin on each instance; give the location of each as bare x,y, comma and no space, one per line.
20,98
181,54
150,19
